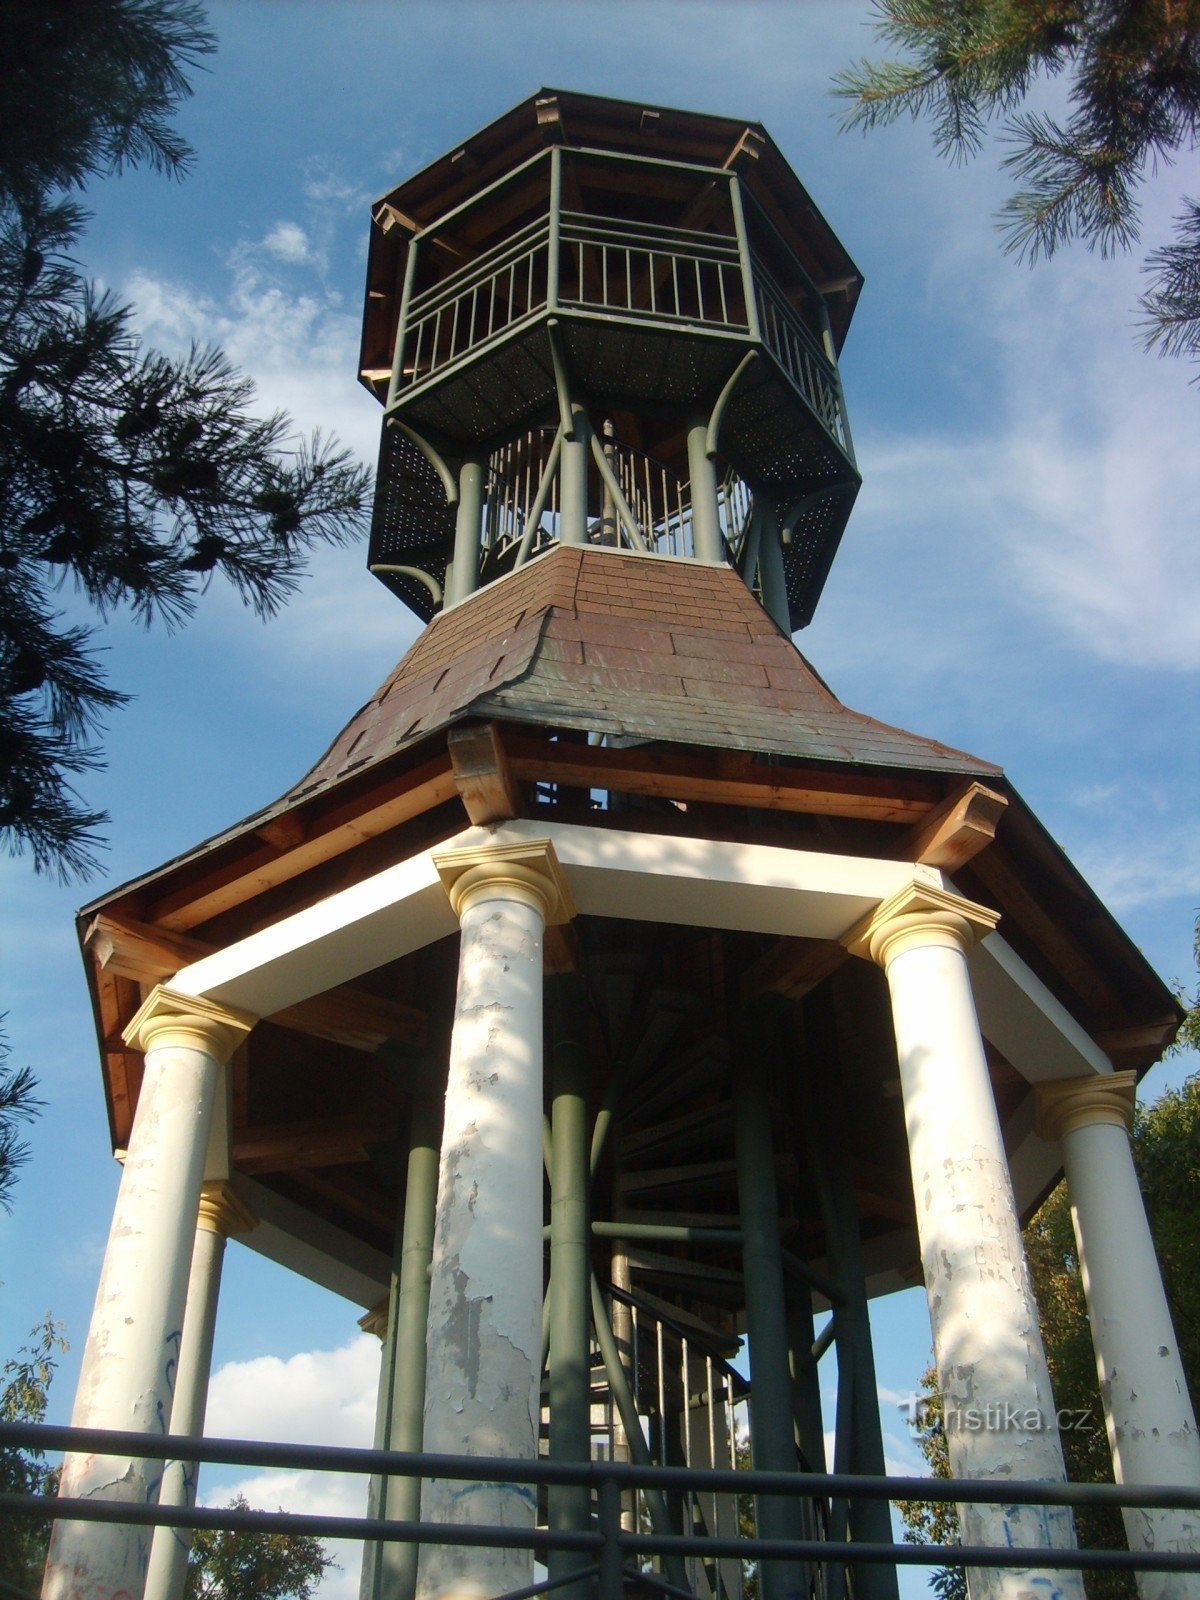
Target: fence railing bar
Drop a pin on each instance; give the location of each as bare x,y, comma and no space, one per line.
45,1508
502,1469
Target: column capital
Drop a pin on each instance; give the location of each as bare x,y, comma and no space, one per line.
528,871
376,1320
222,1212
191,1021
919,915
1069,1103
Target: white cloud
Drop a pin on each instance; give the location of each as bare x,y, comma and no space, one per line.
316,1397
287,241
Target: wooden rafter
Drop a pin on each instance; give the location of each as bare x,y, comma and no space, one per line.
320,1142
954,832
722,777
122,947
247,872
482,773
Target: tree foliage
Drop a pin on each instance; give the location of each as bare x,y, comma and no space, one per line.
232,1565
23,1397
19,1104
127,476
1166,1149
1133,71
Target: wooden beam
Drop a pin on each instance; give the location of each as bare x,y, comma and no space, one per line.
957,830
345,1015
251,871
791,967
323,1142
722,777
482,774
1152,1037
349,1196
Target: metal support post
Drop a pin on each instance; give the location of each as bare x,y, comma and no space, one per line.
463,577
390,1569
826,1120
570,1265
573,479
771,1431
772,580
707,543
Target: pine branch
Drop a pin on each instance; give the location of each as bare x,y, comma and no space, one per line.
1171,308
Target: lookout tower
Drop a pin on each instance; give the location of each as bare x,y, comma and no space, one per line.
599,323
609,991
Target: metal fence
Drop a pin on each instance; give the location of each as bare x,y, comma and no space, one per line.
608,1551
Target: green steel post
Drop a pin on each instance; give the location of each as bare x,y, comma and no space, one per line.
656,1506
463,578
573,479
831,353
570,1270
771,577
390,1569
707,543
612,1572
747,260
555,229
826,1120
806,1388
410,274
771,1430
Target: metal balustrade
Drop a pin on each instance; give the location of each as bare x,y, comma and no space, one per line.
608,1552
646,270
658,498
492,296
784,333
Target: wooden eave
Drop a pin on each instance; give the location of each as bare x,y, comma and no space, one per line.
564,117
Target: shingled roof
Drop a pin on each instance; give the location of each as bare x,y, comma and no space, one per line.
637,649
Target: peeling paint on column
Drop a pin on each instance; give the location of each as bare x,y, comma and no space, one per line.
129,1362
992,1374
486,1284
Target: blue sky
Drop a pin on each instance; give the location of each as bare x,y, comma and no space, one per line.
1020,577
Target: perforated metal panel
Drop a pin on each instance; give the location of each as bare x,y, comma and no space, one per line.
809,554
411,523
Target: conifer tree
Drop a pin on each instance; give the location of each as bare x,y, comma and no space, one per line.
126,476
1133,73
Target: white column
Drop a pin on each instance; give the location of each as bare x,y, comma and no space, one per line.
129,1361
221,1213
485,1302
992,1373
1147,1409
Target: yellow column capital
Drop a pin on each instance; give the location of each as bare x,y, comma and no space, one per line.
1068,1103
376,1320
222,1212
189,1021
528,871
919,915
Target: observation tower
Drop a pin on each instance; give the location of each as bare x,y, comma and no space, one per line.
609,992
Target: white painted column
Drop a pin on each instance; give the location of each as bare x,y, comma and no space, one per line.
129,1362
221,1214
485,1302
1148,1412
992,1373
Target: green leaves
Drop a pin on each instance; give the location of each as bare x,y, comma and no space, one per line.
1134,74
253,1566
128,476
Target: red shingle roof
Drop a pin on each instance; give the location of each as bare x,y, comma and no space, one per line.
632,647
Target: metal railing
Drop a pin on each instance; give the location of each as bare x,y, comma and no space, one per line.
477,304
650,270
606,1548
784,333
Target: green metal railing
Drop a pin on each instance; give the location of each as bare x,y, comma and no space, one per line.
651,271
606,1551
788,339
